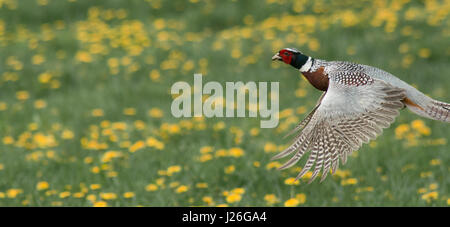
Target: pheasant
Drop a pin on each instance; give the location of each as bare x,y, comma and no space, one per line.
357,102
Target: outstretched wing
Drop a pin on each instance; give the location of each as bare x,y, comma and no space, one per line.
353,111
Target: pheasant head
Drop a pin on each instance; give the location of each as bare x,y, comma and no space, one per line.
292,56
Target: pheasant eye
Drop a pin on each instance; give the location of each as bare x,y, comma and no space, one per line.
286,53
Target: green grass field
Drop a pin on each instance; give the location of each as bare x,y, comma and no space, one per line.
85,101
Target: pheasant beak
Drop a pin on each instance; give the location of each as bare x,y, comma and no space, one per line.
276,57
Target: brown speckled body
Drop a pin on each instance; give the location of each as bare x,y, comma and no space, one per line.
318,79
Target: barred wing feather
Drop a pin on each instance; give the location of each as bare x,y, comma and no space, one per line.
348,115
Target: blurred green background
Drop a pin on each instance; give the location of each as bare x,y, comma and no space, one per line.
85,101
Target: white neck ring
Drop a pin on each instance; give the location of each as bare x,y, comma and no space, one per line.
307,66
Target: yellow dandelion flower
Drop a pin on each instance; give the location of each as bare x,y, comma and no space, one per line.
286,113
129,111
128,195
270,147
221,153
236,152
435,162
201,185
208,200
37,59
426,174
95,186
424,53
67,134
420,126
433,186
108,195
174,129
3,106
291,181
111,174
160,181
301,110
205,157
206,149
188,65
140,125
91,197
154,75
174,184
236,53
159,24
64,194
300,93
137,146
45,77
97,112
42,2
349,181
271,199
239,191
364,189
151,187
314,45
78,195
8,140
113,62
152,142
301,197
22,95
181,189
219,126
95,169
162,172
105,124
291,202
163,36
401,130
229,169
430,196
254,131
119,125
43,185
100,204
273,165
307,175
403,48
109,155
217,45
88,160
56,203
407,60
50,192
39,104
83,56
173,169
233,198
417,124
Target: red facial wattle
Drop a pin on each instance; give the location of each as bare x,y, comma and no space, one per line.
286,56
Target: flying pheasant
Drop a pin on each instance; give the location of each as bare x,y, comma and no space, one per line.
357,103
